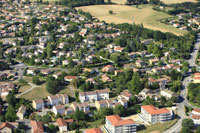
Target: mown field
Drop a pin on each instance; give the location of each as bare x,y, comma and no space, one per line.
177,1
129,14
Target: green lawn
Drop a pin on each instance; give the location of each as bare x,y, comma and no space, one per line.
159,127
195,104
36,93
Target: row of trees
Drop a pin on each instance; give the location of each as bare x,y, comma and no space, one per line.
75,3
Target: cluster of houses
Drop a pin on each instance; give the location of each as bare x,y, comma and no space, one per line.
179,21
5,88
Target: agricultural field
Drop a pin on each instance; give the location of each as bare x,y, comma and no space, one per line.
177,1
120,2
128,14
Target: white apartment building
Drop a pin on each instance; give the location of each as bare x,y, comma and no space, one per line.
94,95
58,99
152,114
115,124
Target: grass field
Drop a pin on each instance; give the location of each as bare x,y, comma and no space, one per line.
177,1
127,14
165,1
36,93
158,127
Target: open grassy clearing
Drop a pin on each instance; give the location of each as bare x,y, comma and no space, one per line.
36,93
127,14
24,88
177,1
158,127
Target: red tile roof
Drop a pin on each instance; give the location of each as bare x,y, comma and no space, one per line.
152,110
116,120
196,110
6,124
93,130
37,126
61,122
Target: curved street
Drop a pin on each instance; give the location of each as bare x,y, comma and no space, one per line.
180,111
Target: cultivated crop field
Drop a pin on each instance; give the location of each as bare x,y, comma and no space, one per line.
129,14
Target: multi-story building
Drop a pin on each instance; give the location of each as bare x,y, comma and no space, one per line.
38,104
152,114
115,124
94,95
58,99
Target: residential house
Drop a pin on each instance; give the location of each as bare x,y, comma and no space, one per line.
140,63
196,116
108,68
118,49
105,78
94,95
125,95
59,109
152,114
82,106
70,78
115,124
21,112
62,124
167,93
38,104
153,61
6,128
123,102
93,130
31,71
69,111
65,62
196,78
56,75
118,72
37,127
58,99
175,61
132,54
101,104
45,72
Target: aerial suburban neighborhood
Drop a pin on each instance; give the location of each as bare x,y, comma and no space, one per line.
63,69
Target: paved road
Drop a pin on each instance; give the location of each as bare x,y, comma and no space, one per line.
181,113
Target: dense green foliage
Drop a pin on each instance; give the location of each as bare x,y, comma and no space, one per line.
75,3
132,43
194,93
4,66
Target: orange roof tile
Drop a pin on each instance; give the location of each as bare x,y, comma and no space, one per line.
152,110
116,120
61,122
93,130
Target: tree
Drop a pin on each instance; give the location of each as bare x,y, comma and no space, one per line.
119,110
135,84
11,114
198,129
35,80
46,118
11,100
188,123
194,69
71,63
52,127
49,50
52,85
110,12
